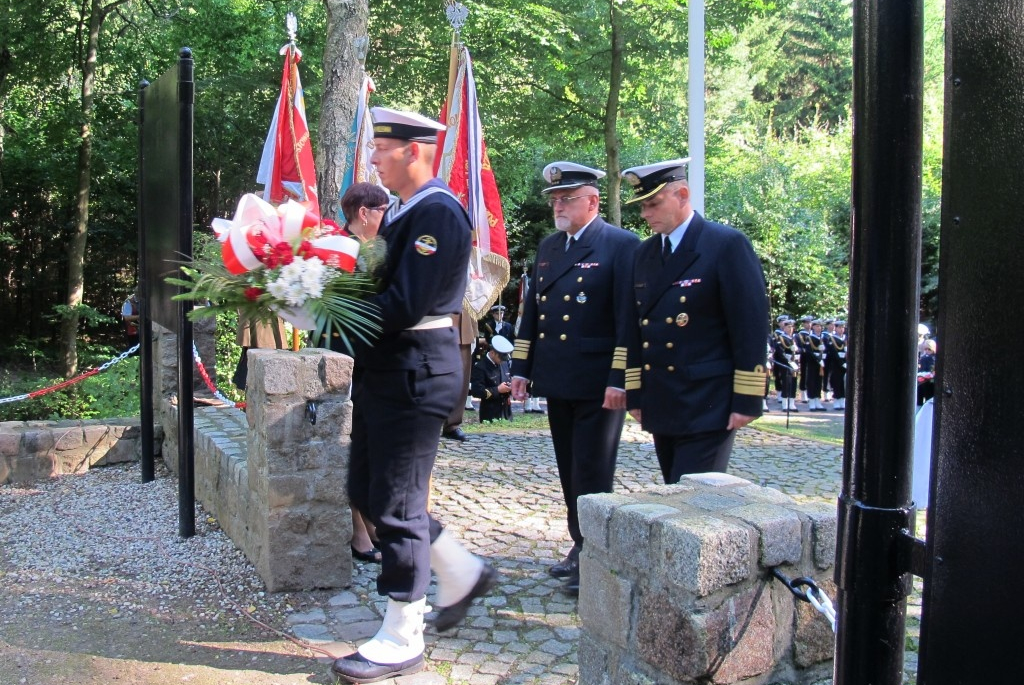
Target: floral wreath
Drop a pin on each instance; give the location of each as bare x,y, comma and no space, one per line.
286,262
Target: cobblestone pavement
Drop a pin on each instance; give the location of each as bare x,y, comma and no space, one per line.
499,494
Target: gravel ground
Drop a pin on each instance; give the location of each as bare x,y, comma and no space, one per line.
96,586
94,565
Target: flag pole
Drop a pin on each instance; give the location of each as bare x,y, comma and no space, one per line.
292,24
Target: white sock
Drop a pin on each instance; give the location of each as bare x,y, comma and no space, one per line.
400,637
456,568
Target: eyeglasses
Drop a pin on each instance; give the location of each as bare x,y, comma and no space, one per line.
555,201
378,208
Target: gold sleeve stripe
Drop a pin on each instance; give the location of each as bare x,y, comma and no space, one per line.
633,379
619,359
522,349
748,382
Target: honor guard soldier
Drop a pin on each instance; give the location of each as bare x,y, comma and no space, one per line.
494,325
572,341
829,330
694,374
786,366
816,367
803,344
835,353
492,381
410,378
774,340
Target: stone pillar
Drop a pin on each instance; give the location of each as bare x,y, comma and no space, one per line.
165,379
676,589
297,469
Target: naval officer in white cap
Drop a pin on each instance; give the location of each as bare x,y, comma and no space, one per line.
695,373
572,341
409,381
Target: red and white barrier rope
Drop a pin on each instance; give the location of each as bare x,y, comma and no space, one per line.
209,383
71,381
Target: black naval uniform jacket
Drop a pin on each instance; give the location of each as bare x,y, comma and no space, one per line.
572,337
696,354
429,244
484,382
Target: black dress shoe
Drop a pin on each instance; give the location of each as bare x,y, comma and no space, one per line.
455,434
568,566
356,668
371,556
450,616
572,584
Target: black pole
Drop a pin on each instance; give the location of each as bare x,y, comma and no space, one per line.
145,325
975,549
875,504
186,443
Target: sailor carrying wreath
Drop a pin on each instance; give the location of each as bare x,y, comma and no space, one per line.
285,261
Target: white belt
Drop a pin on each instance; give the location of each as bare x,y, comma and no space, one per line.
430,322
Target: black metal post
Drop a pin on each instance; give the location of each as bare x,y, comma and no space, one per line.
975,549
145,323
875,504
186,423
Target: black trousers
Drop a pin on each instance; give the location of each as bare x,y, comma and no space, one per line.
838,382
396,427
679,455
815,381
458,413
586,440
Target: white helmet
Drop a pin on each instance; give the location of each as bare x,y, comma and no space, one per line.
922,330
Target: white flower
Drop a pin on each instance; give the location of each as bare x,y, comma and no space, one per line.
299,281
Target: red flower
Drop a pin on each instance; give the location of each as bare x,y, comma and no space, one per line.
253,294
284,253
305,249
331,227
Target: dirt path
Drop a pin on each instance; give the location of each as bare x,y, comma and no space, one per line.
50,633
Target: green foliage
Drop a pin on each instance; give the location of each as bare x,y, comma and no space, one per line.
804,61
228,352
779,87
790,195
110,393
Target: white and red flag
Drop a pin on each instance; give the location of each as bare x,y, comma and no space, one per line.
286,168
464,166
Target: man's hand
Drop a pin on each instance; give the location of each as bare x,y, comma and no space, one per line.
519,389
637,415
504,388
614,399
738,421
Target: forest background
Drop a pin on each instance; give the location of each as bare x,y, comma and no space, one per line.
600,82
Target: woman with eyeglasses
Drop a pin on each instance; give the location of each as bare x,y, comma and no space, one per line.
363,206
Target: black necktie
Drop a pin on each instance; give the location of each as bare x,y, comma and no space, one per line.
666,249
569,242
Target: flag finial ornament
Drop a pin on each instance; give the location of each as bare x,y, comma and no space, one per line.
293,26
457,14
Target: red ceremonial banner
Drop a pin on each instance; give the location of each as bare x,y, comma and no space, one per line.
465,167
286,168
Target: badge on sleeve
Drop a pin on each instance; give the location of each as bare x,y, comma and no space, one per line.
426,245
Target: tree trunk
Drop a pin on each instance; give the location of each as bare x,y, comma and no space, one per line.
76,246
343,75
611,115
5,69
